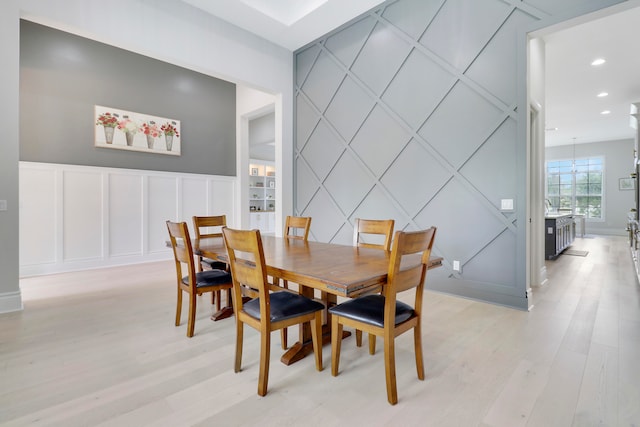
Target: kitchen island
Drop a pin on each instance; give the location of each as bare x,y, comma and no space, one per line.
560,232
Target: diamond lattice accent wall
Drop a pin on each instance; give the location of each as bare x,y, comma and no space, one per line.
410,112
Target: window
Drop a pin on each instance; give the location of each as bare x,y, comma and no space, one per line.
576,186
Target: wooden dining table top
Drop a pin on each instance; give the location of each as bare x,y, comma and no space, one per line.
340,270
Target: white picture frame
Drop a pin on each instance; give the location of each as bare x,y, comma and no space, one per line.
127,130
626,184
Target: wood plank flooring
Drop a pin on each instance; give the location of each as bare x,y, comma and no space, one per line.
99,348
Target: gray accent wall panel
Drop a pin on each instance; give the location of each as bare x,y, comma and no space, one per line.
414,178
350,107
345,45
411,15
380,126
413,103
62,77
411,112
347,197
322,150
375,70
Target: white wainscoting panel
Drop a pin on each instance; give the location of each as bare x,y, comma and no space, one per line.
82,217
38,209
220,193
125,214
161,205
194,198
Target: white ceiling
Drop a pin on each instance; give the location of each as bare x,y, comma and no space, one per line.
571,82
288,23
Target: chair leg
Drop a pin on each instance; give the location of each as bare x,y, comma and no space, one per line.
284,336
191,326
390,369
263,376
336,341
239,340
179,307
219,299
358,338
372,344
316,337
417,340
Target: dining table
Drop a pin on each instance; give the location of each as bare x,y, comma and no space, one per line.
333,269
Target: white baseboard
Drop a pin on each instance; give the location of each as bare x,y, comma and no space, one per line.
55,268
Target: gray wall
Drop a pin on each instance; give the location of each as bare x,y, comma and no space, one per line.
10,298
262,136
416,111
618,163
62,77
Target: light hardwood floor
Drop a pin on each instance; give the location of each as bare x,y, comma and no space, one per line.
99,348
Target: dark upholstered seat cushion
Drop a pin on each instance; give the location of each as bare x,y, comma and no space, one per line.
370,309
210,264
283,306
210,278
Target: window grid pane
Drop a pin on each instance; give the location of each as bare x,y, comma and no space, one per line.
576,185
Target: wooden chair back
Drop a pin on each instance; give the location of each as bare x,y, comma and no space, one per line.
203,226
379,227
372,228
297,227
246,260
182,251
405,271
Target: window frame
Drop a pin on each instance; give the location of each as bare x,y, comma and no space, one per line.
575,165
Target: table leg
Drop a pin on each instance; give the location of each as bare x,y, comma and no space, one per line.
304,346
227,311
223,313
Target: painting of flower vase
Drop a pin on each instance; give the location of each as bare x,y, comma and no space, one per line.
128,130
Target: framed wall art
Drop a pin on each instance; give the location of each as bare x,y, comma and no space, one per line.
128,130
626,184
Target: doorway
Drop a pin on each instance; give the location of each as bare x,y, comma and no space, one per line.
544,101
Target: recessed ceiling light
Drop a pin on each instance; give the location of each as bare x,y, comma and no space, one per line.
551,129
598,61
603,94
605,112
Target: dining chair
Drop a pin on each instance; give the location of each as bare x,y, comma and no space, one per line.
205,227
372,229
382,314
297,228
193,283
270,311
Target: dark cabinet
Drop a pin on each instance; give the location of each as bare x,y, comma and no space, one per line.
560,232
